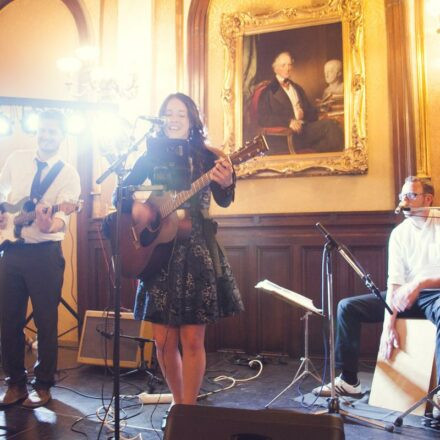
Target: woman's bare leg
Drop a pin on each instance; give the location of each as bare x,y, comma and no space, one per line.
169,358
192,338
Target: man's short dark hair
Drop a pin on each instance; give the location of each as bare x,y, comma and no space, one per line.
54,115
427,186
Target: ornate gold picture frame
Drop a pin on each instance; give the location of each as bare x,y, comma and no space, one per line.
236,28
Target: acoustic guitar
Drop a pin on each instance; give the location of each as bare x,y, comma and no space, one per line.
22,214
159,223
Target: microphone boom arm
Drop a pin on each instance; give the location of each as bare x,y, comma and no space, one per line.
351,260
116,165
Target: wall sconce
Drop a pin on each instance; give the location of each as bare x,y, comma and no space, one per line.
93,81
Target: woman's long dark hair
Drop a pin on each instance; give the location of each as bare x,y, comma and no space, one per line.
197,135
197,130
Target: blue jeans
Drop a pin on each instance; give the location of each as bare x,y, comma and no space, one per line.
354,311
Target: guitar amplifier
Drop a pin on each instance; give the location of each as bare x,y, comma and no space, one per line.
96,344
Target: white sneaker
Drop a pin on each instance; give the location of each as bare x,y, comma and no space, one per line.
342,388
436,411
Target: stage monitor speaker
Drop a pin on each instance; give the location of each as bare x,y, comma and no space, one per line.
189,422
96,345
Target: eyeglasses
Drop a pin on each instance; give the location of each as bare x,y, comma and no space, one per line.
409,196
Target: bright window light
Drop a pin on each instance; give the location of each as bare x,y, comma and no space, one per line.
76,123
29,122
5,125
69,64
107,127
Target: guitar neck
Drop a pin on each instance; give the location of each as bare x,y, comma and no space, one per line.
257,146
174,203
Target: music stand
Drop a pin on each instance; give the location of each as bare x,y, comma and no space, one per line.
306,367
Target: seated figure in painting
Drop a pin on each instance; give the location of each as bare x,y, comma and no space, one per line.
284,104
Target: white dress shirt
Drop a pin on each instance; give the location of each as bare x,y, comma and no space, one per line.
293,96
15,183
414,251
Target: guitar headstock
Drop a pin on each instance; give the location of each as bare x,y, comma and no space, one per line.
255,147
70,207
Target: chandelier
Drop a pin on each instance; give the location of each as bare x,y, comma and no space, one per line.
87,79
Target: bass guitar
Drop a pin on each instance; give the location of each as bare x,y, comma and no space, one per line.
22,214
159,223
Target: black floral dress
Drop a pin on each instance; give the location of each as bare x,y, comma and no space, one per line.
196,285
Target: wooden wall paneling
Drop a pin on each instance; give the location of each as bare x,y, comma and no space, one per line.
365,233
286,249
100,276
230,333
273,315
312,288
374,260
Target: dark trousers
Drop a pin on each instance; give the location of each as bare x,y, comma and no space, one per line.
354,311
32,271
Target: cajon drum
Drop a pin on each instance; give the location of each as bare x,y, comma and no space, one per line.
404,379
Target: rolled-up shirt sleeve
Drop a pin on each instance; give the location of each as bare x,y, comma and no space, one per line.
397,271
69,193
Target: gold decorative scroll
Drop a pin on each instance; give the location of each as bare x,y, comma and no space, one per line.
353,159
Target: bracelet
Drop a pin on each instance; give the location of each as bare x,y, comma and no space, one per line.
229,188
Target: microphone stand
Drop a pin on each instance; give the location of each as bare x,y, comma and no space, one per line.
330,245
142,366
352,261
118,168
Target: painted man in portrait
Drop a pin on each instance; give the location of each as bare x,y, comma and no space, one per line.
284,104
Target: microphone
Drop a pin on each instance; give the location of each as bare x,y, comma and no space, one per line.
400,208
153,119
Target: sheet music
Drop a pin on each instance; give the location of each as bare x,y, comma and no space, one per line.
289,296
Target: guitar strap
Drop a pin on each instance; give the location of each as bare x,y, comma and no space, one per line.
47,181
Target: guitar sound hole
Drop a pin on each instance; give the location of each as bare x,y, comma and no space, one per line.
149,234
155,223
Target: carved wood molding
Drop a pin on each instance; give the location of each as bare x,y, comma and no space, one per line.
400,92
197,57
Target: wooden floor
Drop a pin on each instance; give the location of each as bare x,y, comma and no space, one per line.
82,391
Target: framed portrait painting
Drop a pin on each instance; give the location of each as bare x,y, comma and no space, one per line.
297,76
